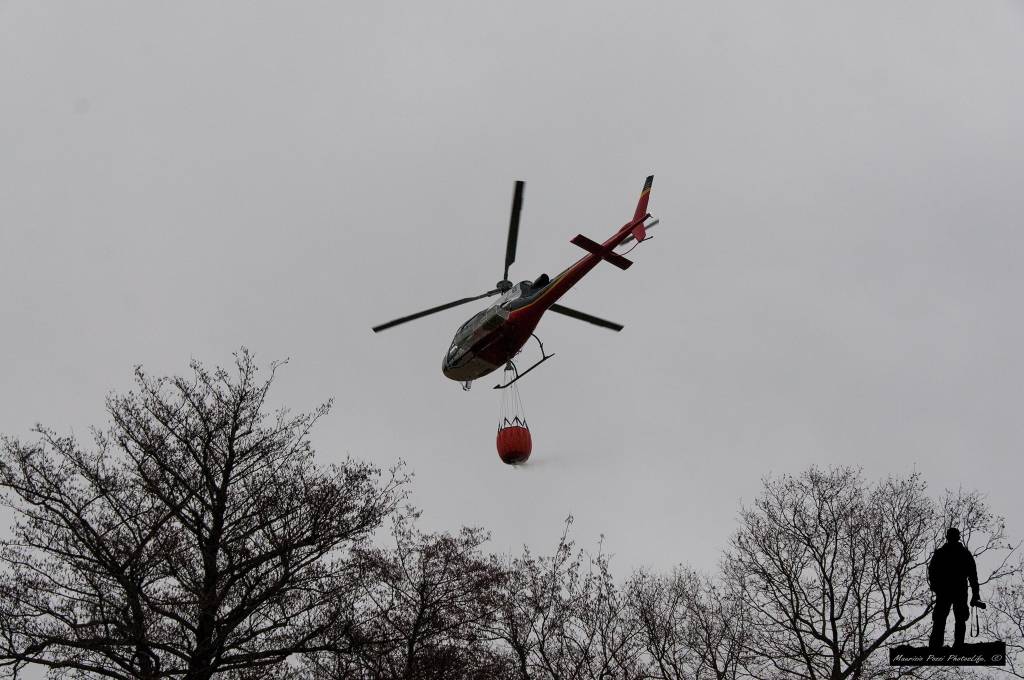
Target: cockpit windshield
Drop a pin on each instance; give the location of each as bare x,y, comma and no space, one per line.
472,320
480,324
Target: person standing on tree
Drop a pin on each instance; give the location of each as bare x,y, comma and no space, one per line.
950,571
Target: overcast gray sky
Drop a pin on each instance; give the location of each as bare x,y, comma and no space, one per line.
836,278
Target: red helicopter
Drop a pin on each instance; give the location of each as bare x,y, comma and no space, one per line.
492,337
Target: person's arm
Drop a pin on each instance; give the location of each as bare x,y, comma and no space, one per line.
972,575
933,572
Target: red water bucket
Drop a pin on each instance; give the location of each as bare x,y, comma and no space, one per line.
514,444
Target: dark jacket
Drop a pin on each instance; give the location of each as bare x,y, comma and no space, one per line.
951,570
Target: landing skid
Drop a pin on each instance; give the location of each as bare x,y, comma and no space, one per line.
511,364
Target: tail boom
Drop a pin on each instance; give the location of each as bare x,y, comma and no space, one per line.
596,252
631,230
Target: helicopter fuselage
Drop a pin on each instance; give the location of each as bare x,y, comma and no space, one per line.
493,336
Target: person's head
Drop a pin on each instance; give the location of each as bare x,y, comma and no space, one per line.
953,535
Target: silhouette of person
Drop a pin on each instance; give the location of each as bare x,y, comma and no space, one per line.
951,569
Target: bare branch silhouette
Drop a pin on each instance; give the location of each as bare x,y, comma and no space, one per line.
197,537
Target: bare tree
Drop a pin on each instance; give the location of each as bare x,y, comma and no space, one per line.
517,617
721,622
563,617
423,608
1005,621
832,568
196,537
692,628
603,632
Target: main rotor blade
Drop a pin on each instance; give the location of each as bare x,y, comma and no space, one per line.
432,310
513,227
586,317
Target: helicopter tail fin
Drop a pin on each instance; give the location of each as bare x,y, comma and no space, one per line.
639,233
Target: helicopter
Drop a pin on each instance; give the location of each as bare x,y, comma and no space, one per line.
492,337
